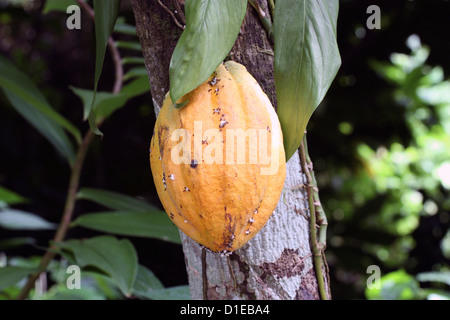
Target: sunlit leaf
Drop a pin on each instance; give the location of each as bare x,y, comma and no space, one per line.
211,30
397,285
306,62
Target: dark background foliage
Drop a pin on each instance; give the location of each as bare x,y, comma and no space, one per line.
56,58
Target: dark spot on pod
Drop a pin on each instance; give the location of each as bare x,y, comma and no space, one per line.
194,164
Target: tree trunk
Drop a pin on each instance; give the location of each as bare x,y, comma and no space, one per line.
278,262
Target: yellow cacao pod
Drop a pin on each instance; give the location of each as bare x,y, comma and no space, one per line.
218,163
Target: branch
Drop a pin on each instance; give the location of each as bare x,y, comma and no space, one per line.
75,172
179,11
317,215
179,25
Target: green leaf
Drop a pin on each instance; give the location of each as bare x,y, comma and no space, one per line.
114,200
17,82
133,217
106,12
57,5
133,60
52,131
306,61
10,197
62,292
137,87
397,285
211,30
135,72
105,102
26,98
15,242
146,281
152,224
117,258
172,293
9,276
20,220
125,29
136,46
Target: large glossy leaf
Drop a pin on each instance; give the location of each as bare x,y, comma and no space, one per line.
211,29
306,62
10,275
138,224
117,258
106,12
20,220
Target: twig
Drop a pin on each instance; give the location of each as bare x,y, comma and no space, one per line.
272,7
263,17
179,25
179,11
315,209
75,172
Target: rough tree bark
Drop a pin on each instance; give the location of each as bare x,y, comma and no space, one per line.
278,262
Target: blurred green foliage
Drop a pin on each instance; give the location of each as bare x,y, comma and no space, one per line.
399,183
